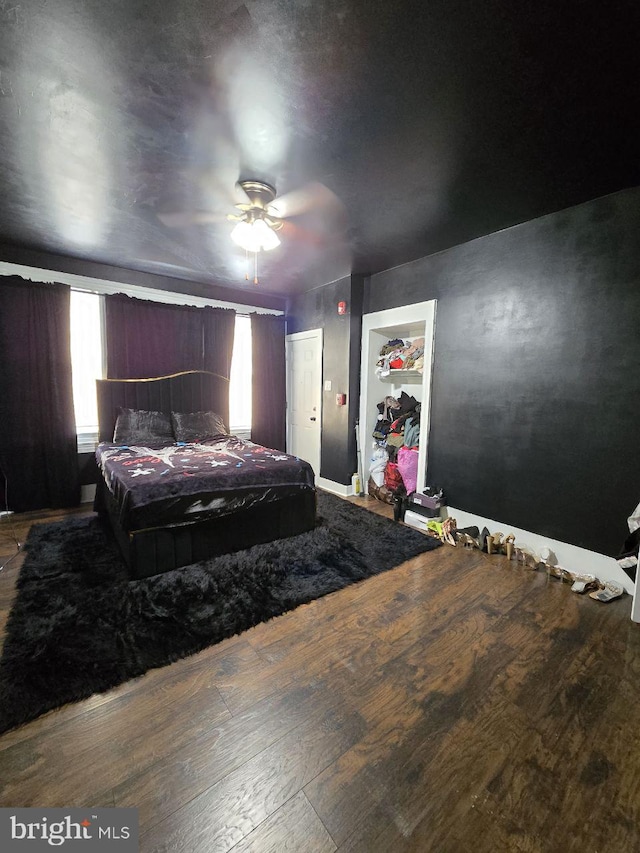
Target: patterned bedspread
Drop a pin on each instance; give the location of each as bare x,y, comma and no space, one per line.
168,484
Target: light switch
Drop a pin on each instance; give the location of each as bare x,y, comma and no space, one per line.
327,385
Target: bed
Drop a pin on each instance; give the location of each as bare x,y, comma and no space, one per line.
179,494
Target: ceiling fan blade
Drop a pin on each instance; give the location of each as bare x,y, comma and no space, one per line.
293,231
184,218
313,196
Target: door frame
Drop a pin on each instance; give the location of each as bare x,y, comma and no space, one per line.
300,336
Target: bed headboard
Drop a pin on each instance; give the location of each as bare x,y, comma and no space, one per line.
191,391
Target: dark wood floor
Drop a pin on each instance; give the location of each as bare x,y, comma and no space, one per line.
458,703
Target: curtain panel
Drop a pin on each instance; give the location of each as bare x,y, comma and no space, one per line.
268,425
219,326
38,449
146,339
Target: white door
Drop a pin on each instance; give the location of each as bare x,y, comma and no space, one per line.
304,396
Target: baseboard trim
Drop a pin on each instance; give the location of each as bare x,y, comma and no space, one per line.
570,557
332,486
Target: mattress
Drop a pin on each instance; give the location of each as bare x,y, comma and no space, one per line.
163,484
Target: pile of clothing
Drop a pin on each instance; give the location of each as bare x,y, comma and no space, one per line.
394,461
398,423
400,355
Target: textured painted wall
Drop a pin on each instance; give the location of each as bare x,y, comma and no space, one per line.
536,388
340,363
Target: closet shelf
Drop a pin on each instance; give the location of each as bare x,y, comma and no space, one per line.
402,376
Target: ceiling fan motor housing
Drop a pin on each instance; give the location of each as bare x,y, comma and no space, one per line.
259,194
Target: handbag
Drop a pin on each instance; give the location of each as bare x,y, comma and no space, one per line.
408,467
393,478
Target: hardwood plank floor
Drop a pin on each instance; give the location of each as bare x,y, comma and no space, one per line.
457,703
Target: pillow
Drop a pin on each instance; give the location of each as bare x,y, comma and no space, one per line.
137,426
197,426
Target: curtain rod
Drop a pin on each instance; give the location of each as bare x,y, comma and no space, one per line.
220,304
103,286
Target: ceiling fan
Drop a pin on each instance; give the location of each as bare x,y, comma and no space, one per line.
258,220
263,215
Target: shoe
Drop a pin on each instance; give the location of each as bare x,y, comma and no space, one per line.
482,539
448,531
468,537
563,575
527,558
494,543
584,583
611,590
509,545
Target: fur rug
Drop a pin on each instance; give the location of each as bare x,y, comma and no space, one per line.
79,627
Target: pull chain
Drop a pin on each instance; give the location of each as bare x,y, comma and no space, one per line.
246,265
255,276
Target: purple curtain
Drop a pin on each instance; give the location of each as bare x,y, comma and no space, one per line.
268,425
38,449
146,339
219,330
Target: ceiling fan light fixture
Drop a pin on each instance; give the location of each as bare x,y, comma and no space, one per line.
254,236
266,235
243,235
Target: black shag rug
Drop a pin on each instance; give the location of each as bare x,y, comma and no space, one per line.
79,627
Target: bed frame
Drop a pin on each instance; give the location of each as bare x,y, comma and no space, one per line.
161,549
191,391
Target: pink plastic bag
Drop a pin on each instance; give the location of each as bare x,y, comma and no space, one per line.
408,467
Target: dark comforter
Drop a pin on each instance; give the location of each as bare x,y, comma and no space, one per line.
168,484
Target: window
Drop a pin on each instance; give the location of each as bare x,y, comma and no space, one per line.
87,365
241,373
86,362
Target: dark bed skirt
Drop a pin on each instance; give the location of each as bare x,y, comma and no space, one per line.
151,552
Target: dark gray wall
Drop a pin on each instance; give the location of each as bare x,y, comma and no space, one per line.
535,413
341,364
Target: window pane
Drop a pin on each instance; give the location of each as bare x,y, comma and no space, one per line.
240,384
86,358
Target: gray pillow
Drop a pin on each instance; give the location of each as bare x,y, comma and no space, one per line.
197,426
137,426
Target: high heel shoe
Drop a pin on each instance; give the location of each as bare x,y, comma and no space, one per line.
468,537
482,539
494,543
449,530
563,575
509,544
468,541
527,558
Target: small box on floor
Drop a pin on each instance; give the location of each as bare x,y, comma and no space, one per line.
421,522
427,499
426,511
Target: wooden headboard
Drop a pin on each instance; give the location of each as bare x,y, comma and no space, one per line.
191,391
